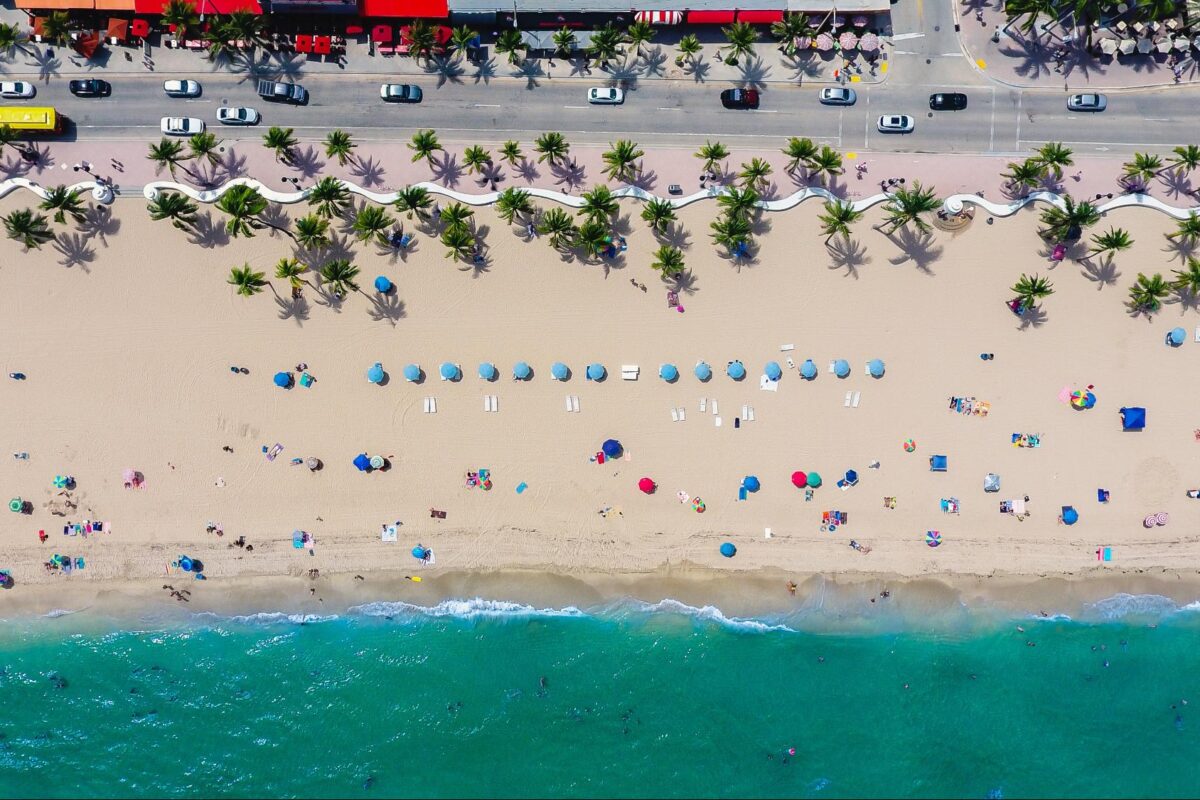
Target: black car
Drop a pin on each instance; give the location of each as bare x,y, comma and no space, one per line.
948,102
90,87
740,98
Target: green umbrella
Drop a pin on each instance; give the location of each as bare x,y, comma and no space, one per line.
814,479
16,505
60,481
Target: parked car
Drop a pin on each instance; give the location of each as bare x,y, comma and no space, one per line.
182,88
606,96
740,98
1087,102
952,101
837,96
90,87
237,115
181,126
283,92
17,90
400,93
895,123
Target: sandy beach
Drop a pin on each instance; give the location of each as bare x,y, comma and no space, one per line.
127,355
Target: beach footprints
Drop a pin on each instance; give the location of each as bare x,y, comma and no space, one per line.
243,430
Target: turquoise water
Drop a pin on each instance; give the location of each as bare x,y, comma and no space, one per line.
390,700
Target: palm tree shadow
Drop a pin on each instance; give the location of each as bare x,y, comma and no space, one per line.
369,171
848,254
1186,299
571,174
489,175
209,233
677,236
448,69
579,66
654,62
1179,249
447,171
76,250
485,71
46,62
285,67
698,69
326,297
276,216
232,164
530,69
15,167
1034,60
528,170
293,308
1032,318
394,254
1178,183
918,247
645,180
802,68
623,76
1102,274
387,308
755,73
98,221
685,283
307,162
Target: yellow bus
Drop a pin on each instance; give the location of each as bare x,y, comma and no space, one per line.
31,119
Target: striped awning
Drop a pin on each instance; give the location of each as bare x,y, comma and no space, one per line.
659,17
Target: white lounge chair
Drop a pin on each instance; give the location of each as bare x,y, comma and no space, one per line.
674,415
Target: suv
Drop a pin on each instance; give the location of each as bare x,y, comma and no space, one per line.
605,96
283,92
948,102
740,98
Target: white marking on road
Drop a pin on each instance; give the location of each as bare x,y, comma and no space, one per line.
1099,145
992,133
665,108
574,106
1020,99
1156,119
867,124
486,105
900,37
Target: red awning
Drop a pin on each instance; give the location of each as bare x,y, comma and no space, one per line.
412,9
710,17
381,34
760,17
659,17
210,6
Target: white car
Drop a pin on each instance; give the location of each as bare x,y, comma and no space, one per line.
235,115
606,96
896,123
17,90
182,126
181,88
1087,102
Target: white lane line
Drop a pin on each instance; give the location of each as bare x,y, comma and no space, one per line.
487,105
1099,144
574,106
900,37
1020,99
1156,119
665,108
992,134
867,125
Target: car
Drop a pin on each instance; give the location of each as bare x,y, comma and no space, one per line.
952,101
606,96
740,98
237,115
17,90
182,88
280,92
837,96
90,87
1087,102
400,93
895,123
181,126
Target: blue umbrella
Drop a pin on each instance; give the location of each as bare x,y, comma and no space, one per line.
611,448
375,373
419,552
703,371
449,372
808,370
559,371
521,371
412,373
841,368
751,484
773,371
736,370
361,462
185,564
851,476
728,550
669,373
875,367
596,372
1069,515
283,380
383,285
487,371
1176,337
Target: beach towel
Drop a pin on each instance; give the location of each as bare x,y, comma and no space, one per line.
389,533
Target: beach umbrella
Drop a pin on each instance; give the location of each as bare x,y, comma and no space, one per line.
736,370
383,285
703,371
1069,515
909,446
751,484
419,552
6,580
875,367
1108,46
851,476
596,372
799,479
129,475
824,41
559,371
1176,336
728,550
773,371
808,370
448,371
283,380
669,373
61,481
646,485
1181,43
858,21
814,479
1126,46
868,43
1163,45
412,373
521,371
375,373
611,448
312,462
186,564
362,462
377,462
1133,418
841,368
848,40
16,505
487,371
1144,45
933,538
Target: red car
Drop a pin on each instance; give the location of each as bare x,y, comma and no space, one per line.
740,98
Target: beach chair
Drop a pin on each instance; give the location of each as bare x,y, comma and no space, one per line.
854,402
750,413
791,363
674,415
937,463
575,403
991,482
682,414
630,372
849,397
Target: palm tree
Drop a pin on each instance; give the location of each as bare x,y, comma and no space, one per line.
30,229
711,153
800,151
414,200
1114,240
559,226
1032,9
553,147
1187,229
688,48
638,34
754,173
1067,223
9,137
244,205
246,281
1146,294
461,39
371,221
789,29
837,219
176,207
476,158
63,201
203,146
282,141
592,237
330,196
606,45
730,232
1143,168
510,43
565,42
56,28
457,217
1186,158
1054,156
620,161
668,261
339,145
11,38
1025,174
658,214
312,231
339,275
459,242
292,271
244,26
827,162
907,205
599,205
510,151
1029,290
424,144
513,202
169,153
182,14
421,39
740,38
1188,280
739,203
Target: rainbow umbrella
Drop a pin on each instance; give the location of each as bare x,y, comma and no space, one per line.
933,538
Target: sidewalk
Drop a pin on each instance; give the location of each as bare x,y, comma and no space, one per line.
1027,60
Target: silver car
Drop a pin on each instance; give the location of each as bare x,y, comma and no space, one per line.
1087,102
837,96
896,123
234,115
181,88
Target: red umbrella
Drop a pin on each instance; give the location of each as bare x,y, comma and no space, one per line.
646,485
800,479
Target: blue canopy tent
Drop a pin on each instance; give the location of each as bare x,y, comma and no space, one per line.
375,373
736,370
669,373
283,380
596,372
361,462
1133,418
522,371
841,368
937,463
1069,515
412,373
487,371
851,477
703,371
808,370
383,285
1176,337
728,550
611,448
559,371
875,368
751,483
773,371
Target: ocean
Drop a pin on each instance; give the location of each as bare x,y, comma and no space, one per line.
483,698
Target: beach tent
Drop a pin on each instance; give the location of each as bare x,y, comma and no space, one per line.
487,371
703,371
937,463
728,550
875,368
991,482
808,370
521,371
841,368
773,371
669,373
611,448
1133,418
559,371
799,479
1176,337
375,373
361,462
647,485
596,372
383,285
1069,515
283,380
412,373
751,483
851,477
736,370
814,479
449,372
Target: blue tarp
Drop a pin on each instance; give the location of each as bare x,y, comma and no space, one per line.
937,463
362,462
1133,418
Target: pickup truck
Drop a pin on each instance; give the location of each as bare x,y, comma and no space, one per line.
283,92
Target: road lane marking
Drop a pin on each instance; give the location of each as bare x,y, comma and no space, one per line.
992,134
574,106
900,37
487,105
665,108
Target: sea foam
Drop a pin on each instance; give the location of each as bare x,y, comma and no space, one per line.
474,608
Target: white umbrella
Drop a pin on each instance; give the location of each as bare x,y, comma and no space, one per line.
868,43
1144,45
1196,42
1182,43
848,40
1108,46
1126,46
1163,45
824,41
804,42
